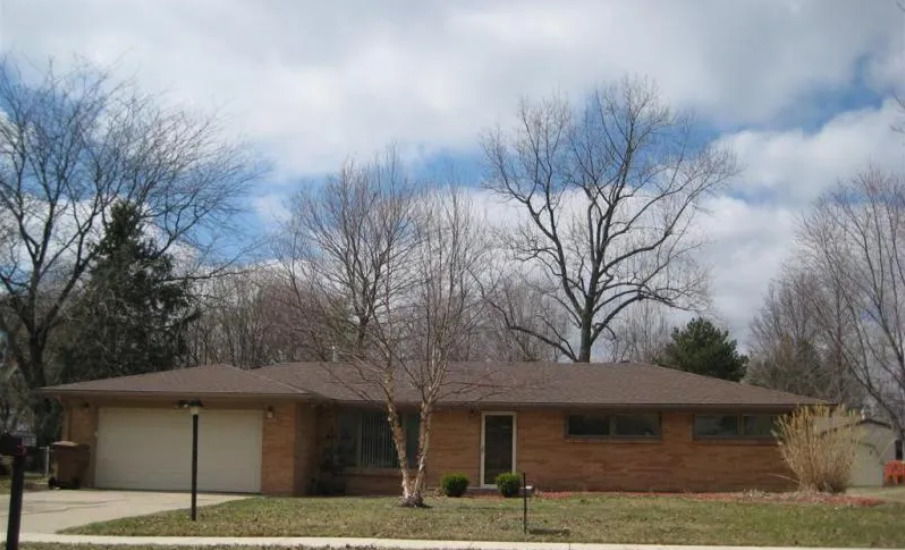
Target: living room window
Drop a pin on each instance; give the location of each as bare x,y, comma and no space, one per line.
365,439
613,426
715,426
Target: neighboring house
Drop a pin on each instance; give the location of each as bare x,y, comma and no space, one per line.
877,445
284,429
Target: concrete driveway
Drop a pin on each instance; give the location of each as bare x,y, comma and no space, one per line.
51,511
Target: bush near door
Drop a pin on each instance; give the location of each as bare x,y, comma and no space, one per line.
508,484
454,485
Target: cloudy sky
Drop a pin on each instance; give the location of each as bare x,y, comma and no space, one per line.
802,90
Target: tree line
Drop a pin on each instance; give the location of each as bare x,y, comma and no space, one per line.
121,253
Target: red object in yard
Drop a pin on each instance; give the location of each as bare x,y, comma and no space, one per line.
894,472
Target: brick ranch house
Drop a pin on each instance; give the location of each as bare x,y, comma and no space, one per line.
302,428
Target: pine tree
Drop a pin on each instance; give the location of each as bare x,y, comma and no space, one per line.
132,315
702,348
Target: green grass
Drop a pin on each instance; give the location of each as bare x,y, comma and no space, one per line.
593,518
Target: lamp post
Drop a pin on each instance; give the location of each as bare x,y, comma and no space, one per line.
194,406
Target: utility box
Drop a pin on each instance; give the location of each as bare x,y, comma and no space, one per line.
70,463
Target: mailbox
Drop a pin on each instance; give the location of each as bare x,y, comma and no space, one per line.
11,446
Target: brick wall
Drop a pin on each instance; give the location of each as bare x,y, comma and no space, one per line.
307,448
287,455
278,451
676,462
293,441
80,426
455,445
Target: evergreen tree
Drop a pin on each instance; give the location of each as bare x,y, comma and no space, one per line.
702,348
132,315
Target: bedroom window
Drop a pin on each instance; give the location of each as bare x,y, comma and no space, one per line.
613,426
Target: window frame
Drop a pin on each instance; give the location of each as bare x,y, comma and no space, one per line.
740,434
611,423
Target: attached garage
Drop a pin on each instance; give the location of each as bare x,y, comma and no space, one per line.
151,449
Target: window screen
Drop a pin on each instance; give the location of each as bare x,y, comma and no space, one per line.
377,447
759,425
716,425
637,425
365,439
585,425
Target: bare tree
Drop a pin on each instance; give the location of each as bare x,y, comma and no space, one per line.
508,300
253,318
854,243
795,348
14,410
70,146
429,308
342,237
640,334
609,191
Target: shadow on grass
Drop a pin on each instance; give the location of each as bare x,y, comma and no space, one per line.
546,531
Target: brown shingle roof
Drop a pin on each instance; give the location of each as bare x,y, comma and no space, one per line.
491,384
213,380
539,384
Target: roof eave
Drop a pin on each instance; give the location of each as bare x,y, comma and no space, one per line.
244,396
584,405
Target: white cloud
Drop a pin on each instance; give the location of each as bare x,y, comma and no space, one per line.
312,83
795,167
317,81
748,245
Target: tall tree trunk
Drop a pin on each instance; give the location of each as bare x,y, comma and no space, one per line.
584,349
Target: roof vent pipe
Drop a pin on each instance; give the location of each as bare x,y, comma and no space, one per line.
334,355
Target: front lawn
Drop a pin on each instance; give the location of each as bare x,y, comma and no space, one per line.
652,519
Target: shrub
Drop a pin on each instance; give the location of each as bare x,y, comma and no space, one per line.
454,485
819,445
509,484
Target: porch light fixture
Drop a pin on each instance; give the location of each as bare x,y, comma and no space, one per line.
270,413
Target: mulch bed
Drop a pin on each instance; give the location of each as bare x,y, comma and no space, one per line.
747,496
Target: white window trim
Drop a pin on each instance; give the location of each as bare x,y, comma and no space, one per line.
514,442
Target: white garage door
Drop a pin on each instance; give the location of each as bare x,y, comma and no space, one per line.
152,449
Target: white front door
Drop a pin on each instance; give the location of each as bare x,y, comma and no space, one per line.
152,449
498,437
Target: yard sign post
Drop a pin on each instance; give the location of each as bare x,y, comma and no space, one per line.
194,463
525,502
